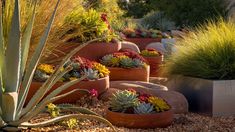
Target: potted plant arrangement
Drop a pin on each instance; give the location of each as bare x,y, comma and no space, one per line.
81,26
154,59
126,65
203,69
143,37
97,78
138,110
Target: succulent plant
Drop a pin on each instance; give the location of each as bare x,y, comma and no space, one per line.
76,74
138,63
91,74
159,104
106,60
40,76
127,63
123,100
144,108
144,34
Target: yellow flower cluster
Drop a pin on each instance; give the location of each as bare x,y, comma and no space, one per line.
116,60
148,53
103,71
53,110
159,104
48,69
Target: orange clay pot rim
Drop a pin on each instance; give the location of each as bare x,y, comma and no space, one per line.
128,68
108,109
142,38
103,78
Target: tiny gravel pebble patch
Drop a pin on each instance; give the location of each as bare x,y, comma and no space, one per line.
182,123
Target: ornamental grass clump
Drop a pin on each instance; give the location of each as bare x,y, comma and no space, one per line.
208,52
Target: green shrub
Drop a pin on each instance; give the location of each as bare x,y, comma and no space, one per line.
192,12
207,53
157,20
82,26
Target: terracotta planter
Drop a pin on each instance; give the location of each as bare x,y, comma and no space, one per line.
92,51
132,74
154,63
162,119
143,42
101,85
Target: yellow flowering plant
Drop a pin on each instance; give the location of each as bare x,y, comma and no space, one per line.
150,53
102,70
48,69
159,104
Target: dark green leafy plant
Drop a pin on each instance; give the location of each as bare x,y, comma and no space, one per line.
208,52
192,12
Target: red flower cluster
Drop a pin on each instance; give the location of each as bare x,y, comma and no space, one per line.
143,97
85,63
132,54
93,93
104,18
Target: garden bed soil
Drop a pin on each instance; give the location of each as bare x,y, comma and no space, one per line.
181,123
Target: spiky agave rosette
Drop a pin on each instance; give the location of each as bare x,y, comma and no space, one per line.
132,102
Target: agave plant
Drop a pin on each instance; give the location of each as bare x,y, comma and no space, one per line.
16,75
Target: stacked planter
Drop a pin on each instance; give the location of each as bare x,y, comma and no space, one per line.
133,74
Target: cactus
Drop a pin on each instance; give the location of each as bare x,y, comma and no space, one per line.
123,100
91,74
144,108
127,63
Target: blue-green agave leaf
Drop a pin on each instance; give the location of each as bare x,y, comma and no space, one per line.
34,61
12,61
26,40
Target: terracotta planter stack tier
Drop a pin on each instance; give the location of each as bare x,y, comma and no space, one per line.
154,63
143,42
93,51
132,74
101,85
148,121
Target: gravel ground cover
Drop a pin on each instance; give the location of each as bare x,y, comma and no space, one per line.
183,122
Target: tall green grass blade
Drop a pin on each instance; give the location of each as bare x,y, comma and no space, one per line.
26,40
34,61
13,52
2,52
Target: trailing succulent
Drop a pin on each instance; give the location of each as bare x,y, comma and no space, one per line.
130,101
124,59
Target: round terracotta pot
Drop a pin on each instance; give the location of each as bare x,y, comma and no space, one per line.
155,120
130,74
93,51
143,42
154,63
101,85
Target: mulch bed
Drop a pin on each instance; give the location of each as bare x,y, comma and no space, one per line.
182,122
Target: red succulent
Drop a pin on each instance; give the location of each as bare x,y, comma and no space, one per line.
144,97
